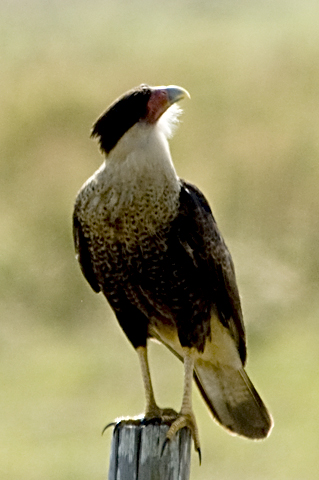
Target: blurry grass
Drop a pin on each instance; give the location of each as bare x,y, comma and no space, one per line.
248,139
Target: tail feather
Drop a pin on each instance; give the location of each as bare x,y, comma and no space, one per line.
233,400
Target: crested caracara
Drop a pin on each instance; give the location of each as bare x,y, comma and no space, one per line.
148,241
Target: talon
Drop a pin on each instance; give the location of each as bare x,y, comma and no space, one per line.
164,445
186,420
112,424
165,414
199,456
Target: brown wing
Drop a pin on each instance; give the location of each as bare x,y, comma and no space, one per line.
83,254
212,256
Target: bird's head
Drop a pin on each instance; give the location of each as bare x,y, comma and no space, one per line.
143,104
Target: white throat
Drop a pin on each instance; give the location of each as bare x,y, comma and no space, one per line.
138,187
142,155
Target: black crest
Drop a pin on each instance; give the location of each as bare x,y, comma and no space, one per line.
121,116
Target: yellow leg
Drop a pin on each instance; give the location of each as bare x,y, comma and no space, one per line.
188,381
186,417
151,407
152,410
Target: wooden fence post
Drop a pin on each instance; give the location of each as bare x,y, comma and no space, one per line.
137,452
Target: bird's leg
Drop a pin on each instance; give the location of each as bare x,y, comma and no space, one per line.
186,417
151,407
152,410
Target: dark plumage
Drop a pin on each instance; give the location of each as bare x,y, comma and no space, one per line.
149,242
120,116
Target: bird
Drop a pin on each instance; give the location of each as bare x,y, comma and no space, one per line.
148,241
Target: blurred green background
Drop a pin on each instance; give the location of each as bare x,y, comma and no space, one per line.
249,138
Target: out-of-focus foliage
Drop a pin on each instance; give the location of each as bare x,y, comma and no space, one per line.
248,139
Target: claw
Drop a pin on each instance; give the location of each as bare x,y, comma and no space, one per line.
165,414
167,440
185,420
164,445
112,424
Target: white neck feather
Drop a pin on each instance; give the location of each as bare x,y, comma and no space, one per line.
142,155
138,182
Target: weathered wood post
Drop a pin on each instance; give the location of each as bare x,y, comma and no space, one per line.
137,452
